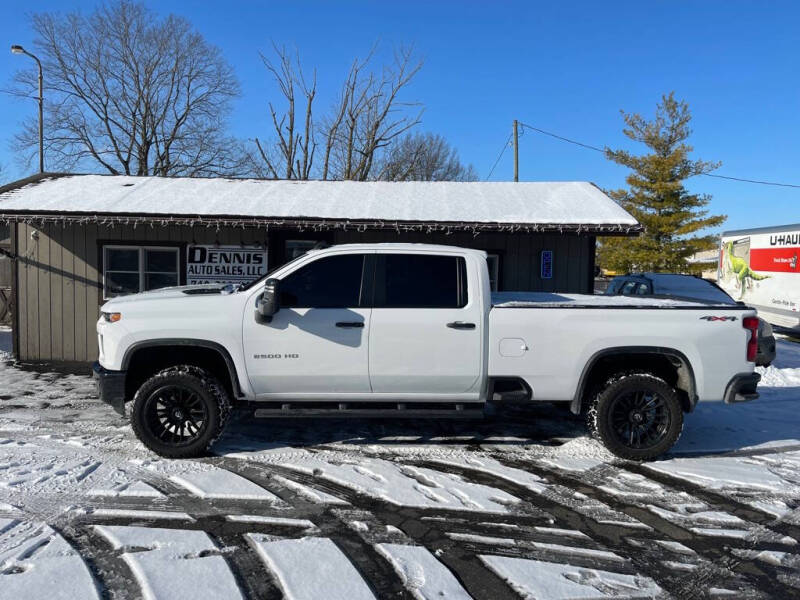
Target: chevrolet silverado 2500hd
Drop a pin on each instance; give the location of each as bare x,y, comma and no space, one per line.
414,330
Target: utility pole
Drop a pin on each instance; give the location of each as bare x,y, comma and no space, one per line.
41,118
516,152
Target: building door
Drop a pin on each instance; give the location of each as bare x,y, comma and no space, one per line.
316,345
426,330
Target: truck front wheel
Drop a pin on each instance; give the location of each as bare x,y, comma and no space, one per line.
637,416
180,412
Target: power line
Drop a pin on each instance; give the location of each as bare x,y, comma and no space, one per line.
596,149
563,139
503,151
791,185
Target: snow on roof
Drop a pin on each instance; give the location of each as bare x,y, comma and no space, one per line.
543,203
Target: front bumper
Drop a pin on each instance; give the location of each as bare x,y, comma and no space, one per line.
742,388
110,387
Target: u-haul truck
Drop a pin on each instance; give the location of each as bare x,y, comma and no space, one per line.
761,267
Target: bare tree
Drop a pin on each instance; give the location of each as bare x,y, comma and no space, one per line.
424,157
366,117
132,94
374,115
295,148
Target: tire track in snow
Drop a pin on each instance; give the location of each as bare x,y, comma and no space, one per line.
209,516
762,576
373,567
555,553
474,576
255,582
716,499
112,575
646,558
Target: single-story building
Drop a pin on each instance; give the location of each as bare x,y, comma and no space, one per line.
76,240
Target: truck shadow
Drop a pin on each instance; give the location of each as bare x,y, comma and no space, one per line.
767,425
542,425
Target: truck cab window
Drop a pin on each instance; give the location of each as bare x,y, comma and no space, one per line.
332,282
420,281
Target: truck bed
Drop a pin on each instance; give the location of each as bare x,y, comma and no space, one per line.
559,300
549,348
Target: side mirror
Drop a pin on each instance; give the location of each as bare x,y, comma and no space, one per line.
269,301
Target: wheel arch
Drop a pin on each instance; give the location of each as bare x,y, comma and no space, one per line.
168,352
668,362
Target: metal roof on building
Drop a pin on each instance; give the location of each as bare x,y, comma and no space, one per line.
531,206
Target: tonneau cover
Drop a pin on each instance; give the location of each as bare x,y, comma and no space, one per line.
550,300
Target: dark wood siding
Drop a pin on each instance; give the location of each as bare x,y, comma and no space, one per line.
59,272
520,255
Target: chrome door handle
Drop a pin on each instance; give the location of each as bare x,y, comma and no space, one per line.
347,324
461,325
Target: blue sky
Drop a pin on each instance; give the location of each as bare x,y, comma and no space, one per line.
566,67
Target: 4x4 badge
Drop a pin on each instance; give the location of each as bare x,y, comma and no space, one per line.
710,318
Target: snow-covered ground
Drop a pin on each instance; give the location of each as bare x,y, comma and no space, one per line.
521,505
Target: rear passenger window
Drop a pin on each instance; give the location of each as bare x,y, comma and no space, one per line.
420,281
331,282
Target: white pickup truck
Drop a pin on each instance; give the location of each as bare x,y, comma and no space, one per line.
413,330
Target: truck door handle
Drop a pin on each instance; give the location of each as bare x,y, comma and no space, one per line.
350,324
461,325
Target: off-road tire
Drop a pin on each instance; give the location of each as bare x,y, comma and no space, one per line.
622,385
211,394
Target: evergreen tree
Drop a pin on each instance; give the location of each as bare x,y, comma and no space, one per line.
657,197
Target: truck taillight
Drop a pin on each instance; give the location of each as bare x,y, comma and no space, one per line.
751,324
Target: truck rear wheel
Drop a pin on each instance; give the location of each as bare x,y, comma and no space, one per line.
180,412
637,416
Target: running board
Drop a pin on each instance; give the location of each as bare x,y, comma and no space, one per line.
398,411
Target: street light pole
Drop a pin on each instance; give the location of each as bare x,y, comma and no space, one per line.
16,49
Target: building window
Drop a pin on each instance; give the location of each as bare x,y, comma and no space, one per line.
134,269
295,248
5,235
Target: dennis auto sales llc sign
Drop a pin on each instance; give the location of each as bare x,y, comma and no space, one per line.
224,264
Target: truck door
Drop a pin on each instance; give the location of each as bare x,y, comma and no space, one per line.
316,345
425,335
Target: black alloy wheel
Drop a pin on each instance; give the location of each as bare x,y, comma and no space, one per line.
180,412
636,415
175,414
639,419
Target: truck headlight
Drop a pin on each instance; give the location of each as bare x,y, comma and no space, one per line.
110,317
